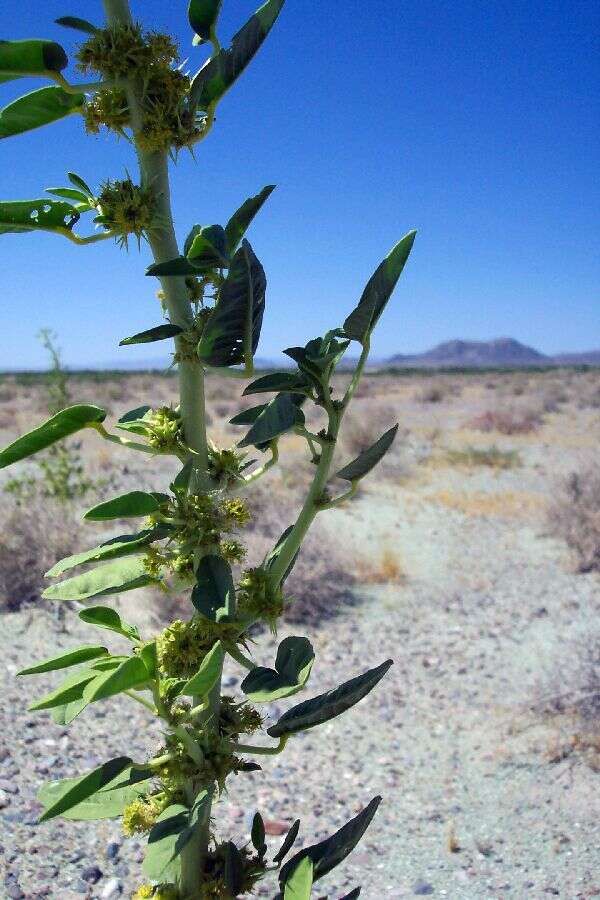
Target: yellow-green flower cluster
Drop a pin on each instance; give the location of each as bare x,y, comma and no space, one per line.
166,429
126,208
214,886
141,814
258,598
107,107
124,49
182,646
238,718
225,466
156,892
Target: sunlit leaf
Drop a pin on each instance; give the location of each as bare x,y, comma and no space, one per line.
205,678
298,885
115,548
107,803
76,790
63,424
38,108
105,617
112,578
207,248
64,660
129,505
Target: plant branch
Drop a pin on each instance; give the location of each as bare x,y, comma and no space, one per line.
123,442
141,700
258,473
260,751
240,658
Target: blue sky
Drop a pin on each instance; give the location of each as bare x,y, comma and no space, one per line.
475,122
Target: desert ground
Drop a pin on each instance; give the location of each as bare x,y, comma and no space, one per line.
465,556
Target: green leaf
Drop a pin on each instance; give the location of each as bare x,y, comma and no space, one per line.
248,416
257,835
363,319
278,381
240,221
319,357
271,557
79,183
19,216
178,266
208,247
234,869
77,24
107,803
70,690
70,194
172,832
328,854
133,420
214,592
131,673
105,617
232,331
115,548
41,107
278,416
369,458
113,578
79,789
202,682
129,505
298,885
295,658
32,57
60,426
288,843
202,15
159,333
64,660
327,706
220,72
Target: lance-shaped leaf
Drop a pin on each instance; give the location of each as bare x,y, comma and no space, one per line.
207,248
134,420
288,842
363,319
69,691
64,660
107,803
173,830
278,381
210,669
178,266
77,24
130,673
257,835
320,355
273,554
369,458
129,505
202,15
278,416
80,184
105,617
31,57
19,216
71,194
232,332
234,869
60,426
248,416
240,221
41,107
113,578
115,548
159,333
214,592
298,885
220,72
77,790
328,854
327,706
295,658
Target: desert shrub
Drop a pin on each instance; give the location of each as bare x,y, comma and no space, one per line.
489,456
575,517
431,393
364,420
507,421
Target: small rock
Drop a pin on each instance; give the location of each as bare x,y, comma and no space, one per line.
14,892
274,827
91,874
9,786
112,888
112,851
4,801
422,888
230,681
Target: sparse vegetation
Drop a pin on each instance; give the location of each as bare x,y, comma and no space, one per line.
575,517
492,457
507,421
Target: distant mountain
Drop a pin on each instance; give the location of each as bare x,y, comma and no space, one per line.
499,353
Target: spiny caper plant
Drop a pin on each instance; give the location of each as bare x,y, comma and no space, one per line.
213,299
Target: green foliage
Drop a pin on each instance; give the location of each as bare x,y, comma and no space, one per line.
369,458
113,578
75,791
38,108
299,884
19,58
202,15
65,660
108,802
105,617
295,658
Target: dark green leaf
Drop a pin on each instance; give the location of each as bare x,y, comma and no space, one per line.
77,24
363,319
328,854
295,658
41,107
79,789
327,706
277,381
105,617
107,803
60,426
133,420
208,673
113,578
369,458
178,266
257,835
248,416
288,843
234,869
181,482
130,505
240,221
202,15
298,885
208,247
273,554
131,673
278,416
32,57
115,548
79,183
232,332
214,592
220,72
20,216
64,660
159,333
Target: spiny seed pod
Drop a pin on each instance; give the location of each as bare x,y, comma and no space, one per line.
238,718
126,208
236,510
258,598
124,49
225,465
166,427
232,551
182,646
107,107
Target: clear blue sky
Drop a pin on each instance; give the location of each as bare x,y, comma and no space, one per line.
475,122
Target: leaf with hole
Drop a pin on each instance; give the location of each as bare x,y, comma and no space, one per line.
62,425
240,221
77,790
19,216
232,331
202,15
328,854
65,660
106,617
369,458
31,57
115,548
205,678
278,417
77,24
129,505
214,592
112,578
327,706
208,247
298,885
38,108
159,333
107,803
363,319
295,658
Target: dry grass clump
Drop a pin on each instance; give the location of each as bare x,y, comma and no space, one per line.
575,517
364,423
33,538
507,421
435,392
385,568
492,457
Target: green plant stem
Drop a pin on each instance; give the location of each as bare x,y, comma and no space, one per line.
260,751
141,700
